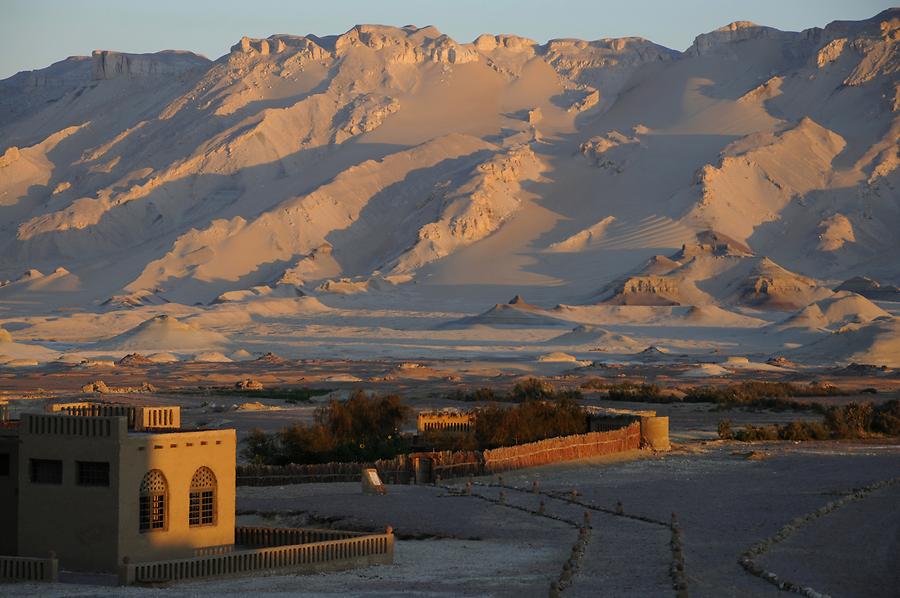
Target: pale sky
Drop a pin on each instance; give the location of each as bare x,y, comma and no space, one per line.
36,33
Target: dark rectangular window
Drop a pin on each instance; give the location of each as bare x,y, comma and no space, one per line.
46,471
202,508
4,465
93,473
152,512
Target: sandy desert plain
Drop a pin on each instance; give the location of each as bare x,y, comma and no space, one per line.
396,211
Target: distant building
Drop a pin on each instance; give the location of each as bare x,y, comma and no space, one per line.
446,420
97,482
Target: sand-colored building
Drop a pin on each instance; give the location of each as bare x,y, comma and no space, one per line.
9,472
97,484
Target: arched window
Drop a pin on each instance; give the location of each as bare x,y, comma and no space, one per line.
202,509
154,490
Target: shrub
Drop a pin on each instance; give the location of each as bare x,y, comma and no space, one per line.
850,421
853,420
647,393
448,440
477,395
528,422
290,395
761,395
531,389
260,447
886,419
804,431
725,431
750,433
362,428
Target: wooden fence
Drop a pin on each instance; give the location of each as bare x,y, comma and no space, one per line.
392,471
274,536
361,550
452,464
19,568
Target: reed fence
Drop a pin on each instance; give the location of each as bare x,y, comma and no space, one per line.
452,464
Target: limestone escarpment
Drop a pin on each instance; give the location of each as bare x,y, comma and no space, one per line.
869,47
406,45
602,68
238,173
721,39
107,64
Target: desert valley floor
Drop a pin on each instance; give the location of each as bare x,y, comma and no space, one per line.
727,496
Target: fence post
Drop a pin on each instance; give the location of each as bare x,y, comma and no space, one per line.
52,573
126,572
390,544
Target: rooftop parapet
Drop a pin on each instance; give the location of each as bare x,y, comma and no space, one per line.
140,418
47,424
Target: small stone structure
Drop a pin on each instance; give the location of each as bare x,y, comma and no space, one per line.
447,420
371,482
654,428
655,432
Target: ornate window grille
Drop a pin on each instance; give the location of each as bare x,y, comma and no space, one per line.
153,503
202,510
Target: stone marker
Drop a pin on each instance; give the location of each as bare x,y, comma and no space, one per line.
371,482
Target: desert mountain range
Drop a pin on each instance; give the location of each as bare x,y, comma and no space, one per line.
394,183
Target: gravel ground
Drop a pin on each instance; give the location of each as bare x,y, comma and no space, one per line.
862,537
725,502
